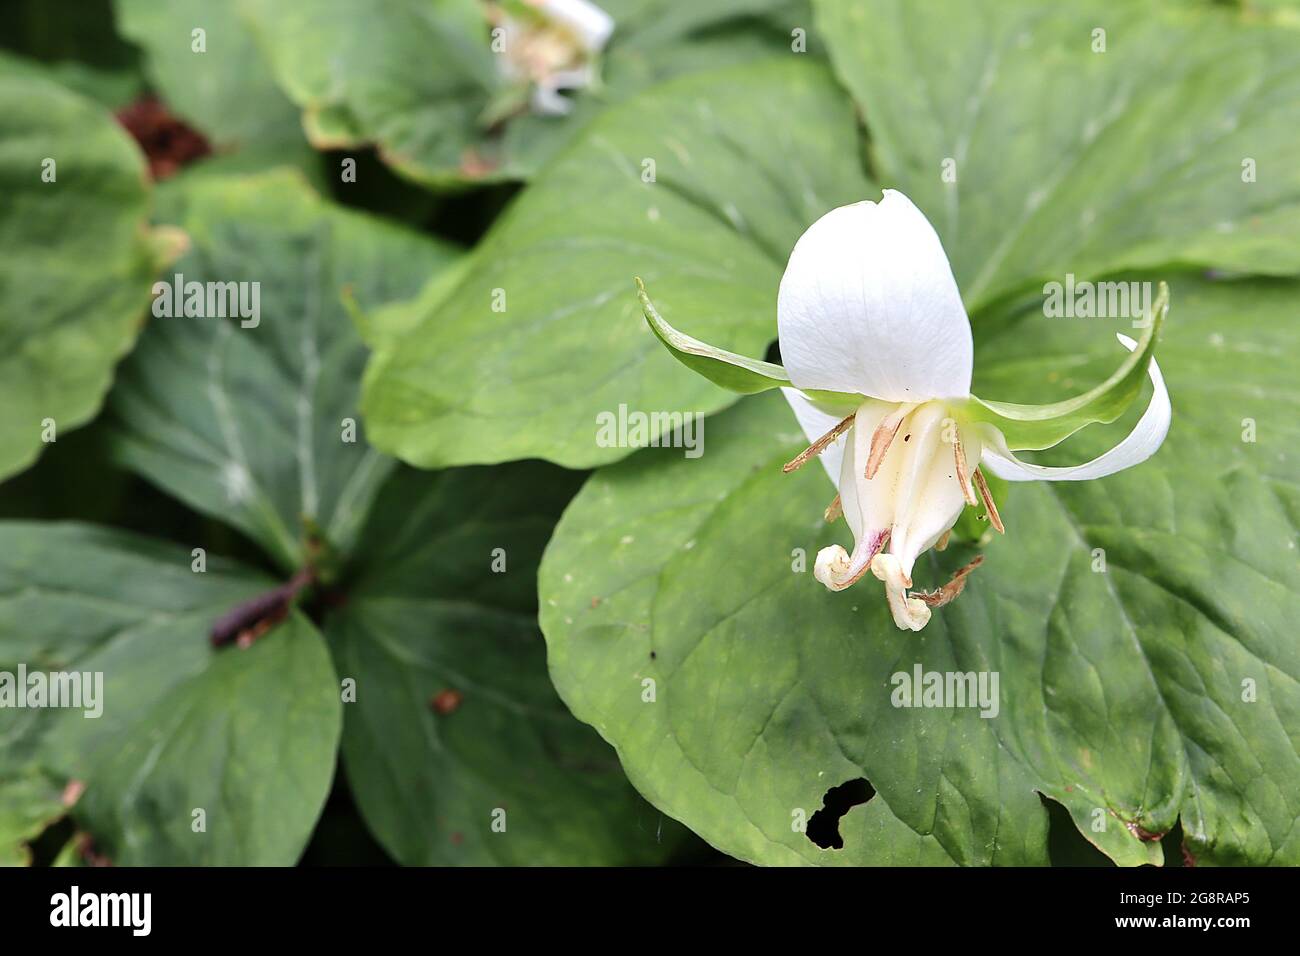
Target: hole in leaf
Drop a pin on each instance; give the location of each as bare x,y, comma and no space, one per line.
1066,846
824,825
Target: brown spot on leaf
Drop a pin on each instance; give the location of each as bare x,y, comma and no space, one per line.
474,165
1146,836
446,701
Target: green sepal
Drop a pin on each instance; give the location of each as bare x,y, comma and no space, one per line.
733,372
1034,427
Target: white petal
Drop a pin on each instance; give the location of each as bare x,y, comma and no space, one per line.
547,101
868,304
590,24
910,614
576,79
865,510
1139,445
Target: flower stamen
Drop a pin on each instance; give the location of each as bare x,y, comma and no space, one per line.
994,518
834,509
963,475
948,593
820,445
883,437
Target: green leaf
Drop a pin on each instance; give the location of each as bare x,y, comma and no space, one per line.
1177,147
454,719
250,424
248,736
75,276
770,691
744,159
1042,426
82,53
226,90
29,802
418,79
1160,689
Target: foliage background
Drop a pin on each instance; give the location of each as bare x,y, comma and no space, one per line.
1122,691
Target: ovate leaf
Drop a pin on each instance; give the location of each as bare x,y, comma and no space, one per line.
420,80
224,89
1139,627
456,748
253,418
74,280
1177,146
245,736
701,187
29,802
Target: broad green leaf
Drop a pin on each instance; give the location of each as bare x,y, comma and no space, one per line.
80,52
419,78
29,802
543,333
1036,154
248,736
74,280
769,691
454,719
225,89
258,425
1041,426
1140,626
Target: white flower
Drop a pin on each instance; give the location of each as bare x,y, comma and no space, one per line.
868,306
552,45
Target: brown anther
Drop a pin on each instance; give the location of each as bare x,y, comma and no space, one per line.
72,792
820,445
942,543
954,587
882,438
994,518
963,475
834,510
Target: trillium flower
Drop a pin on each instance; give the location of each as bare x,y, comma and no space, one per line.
551,45
878,359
